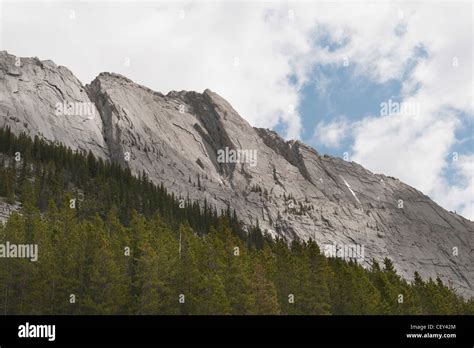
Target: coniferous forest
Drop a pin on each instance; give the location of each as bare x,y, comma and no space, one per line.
112,243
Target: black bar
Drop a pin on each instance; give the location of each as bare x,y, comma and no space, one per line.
242,330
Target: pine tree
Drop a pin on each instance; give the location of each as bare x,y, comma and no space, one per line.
107,286
266,299
190,281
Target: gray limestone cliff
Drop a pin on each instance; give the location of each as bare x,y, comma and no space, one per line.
290,189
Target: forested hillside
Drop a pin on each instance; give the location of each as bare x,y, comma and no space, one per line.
110,243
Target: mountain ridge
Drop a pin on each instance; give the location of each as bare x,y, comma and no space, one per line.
292,191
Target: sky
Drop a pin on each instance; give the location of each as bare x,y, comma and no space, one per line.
388,85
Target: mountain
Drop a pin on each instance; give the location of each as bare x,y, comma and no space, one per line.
128,246
199,147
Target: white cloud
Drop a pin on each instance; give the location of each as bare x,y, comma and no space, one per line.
416,149
245,52
458,196
413,148
330,134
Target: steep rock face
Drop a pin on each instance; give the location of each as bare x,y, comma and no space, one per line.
291,189
41,98
286,186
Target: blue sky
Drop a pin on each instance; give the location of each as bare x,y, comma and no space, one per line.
346,96
335,91
353,98
342,96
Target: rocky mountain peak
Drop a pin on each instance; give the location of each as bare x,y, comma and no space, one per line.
43,99
199,147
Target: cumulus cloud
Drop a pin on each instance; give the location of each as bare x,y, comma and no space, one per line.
243,51
416,148
330,134
413,150
458,195
429,49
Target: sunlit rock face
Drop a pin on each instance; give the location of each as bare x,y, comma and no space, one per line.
198,146
41,98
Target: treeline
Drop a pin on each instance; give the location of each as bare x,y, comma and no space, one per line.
99,266
129,248
39,171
